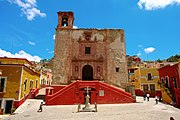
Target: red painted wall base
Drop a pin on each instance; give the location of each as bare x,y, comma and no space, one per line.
177,93
31,95
99,92
139,92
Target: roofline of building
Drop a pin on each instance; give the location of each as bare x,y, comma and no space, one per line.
100,29
17,59
169,65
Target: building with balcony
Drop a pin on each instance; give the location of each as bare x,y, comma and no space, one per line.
145,80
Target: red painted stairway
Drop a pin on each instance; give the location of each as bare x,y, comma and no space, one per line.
75,93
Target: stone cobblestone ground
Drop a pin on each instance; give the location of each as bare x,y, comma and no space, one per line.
142,110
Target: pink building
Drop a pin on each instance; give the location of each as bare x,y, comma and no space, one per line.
49,77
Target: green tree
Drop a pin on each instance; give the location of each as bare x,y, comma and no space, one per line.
175,58
159,60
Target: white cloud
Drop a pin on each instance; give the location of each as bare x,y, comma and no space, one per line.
50,52
54,36
28,8
139,46
20,54
139,53
31,43
75,27
156,4
149,50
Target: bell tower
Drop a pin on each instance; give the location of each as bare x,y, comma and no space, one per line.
65,20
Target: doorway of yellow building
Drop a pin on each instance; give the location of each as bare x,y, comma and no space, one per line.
8,106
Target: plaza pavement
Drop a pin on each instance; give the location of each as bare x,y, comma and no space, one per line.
142,110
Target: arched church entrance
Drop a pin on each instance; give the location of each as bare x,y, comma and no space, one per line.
87,72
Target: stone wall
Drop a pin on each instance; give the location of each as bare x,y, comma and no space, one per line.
107,57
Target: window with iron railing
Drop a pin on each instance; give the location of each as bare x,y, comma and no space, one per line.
25,84
149,76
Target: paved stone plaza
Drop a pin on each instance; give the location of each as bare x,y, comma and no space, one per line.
142,110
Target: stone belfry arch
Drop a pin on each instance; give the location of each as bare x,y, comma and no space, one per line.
65,20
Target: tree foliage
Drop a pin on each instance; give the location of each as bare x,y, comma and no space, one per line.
159,61
175,58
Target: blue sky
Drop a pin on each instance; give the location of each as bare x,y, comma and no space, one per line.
152,27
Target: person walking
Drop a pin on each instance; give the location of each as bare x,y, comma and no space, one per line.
156,99
144,96
40,107
147,96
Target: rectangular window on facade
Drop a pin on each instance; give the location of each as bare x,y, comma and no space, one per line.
25,84
36,83
167,82
145,87
152,87
131,70
162,80
174,82
31,84
87,50
117,69
149,77
42,81
2,84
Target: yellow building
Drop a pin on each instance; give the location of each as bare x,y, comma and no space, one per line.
16,80
145,80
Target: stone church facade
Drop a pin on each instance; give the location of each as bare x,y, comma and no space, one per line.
88,54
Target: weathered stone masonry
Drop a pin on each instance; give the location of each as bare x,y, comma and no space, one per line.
88,54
